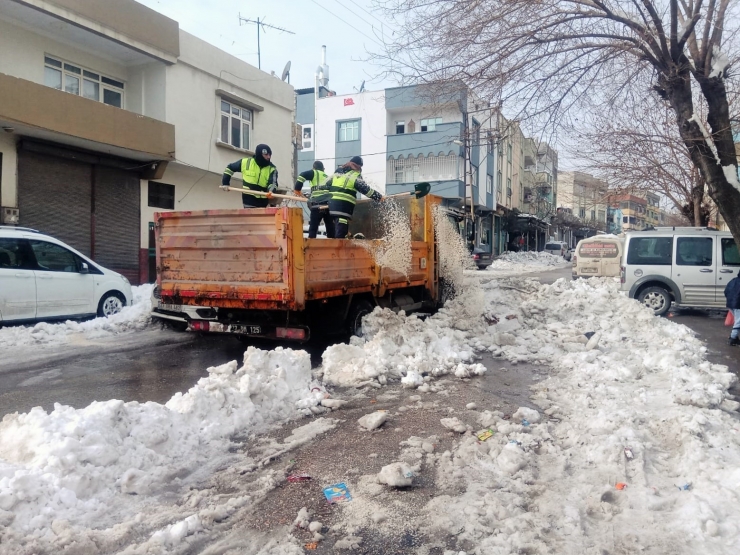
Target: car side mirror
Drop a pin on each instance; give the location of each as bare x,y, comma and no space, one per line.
84,268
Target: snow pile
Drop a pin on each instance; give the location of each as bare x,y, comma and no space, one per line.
100,464
514,263
400,347
640,407
134,317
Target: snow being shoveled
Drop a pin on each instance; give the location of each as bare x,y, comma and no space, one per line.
134,317
88,475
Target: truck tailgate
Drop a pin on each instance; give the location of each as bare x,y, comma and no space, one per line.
243,262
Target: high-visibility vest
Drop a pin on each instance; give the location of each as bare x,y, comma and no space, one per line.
318,179
254,177
343,186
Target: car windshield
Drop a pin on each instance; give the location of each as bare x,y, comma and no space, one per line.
553,247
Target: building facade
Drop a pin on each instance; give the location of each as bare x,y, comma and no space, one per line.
109,112
582,206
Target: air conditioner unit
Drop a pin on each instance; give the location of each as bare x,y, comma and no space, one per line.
10,216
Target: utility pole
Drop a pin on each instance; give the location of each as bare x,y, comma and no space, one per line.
263,25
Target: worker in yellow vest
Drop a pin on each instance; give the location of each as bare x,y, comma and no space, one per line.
258,174
319,206
344,186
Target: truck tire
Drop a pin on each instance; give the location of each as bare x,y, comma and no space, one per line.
360,309
656,298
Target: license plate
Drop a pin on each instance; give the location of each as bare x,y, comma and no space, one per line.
589,270
248,330
169,307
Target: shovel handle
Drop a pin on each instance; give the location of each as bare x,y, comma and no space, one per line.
273,195
409,194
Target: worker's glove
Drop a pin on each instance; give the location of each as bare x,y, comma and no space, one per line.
269,195
224,187
299,194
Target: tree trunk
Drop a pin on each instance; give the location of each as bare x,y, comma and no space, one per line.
726,197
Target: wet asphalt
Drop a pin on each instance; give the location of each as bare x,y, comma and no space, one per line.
155,364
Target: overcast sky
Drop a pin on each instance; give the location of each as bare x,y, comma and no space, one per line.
348,28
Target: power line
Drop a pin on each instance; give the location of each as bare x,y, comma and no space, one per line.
371,25
368,13
346,22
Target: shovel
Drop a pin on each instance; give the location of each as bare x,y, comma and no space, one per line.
420,190
274,195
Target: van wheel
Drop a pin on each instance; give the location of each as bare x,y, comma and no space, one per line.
359,310
111,303
655,298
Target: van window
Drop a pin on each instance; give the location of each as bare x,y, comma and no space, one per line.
600,249
654,251
553,246
730,254
694,251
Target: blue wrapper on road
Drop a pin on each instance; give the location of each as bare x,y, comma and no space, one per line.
337,493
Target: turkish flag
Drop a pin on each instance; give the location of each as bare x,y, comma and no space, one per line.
349,102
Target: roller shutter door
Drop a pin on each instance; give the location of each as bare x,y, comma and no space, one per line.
117,220
54,196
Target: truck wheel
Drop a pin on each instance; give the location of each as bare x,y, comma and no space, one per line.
359,310
655,298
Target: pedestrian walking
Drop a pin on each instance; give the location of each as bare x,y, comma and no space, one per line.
732,294
258,174
344,185
319,210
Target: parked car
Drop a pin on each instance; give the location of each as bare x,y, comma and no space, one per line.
559,248
599,256
686,266
42,278
482,259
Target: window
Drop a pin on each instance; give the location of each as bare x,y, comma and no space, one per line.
490,145
593,215
602,216
236,125
694,251
14,254
54,258
730,254
508,187
624,205
348,131
655,251
161,195
489,184
430,124
508,152
474,171
77,80
582,213
400,127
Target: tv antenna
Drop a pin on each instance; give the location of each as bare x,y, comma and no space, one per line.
286,72
261,23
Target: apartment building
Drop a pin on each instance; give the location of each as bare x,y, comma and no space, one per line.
109,112
634,211
406,135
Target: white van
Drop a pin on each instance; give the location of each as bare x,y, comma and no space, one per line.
598,256
688,266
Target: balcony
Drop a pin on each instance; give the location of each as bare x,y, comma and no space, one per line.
37,111
121,30
427,143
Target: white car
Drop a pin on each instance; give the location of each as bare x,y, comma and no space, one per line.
41,278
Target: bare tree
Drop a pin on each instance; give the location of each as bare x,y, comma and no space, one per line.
643,152
553,57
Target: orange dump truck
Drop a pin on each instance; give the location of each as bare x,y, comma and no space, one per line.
252,273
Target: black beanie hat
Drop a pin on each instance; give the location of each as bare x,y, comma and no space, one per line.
318,165
356,160
258,155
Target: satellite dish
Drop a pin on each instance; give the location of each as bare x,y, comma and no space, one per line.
286,72
362,86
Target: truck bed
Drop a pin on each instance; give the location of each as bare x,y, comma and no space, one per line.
259,259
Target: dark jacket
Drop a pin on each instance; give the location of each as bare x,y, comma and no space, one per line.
345,209
732,293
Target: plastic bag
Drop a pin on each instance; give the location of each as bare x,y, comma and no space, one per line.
730,319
